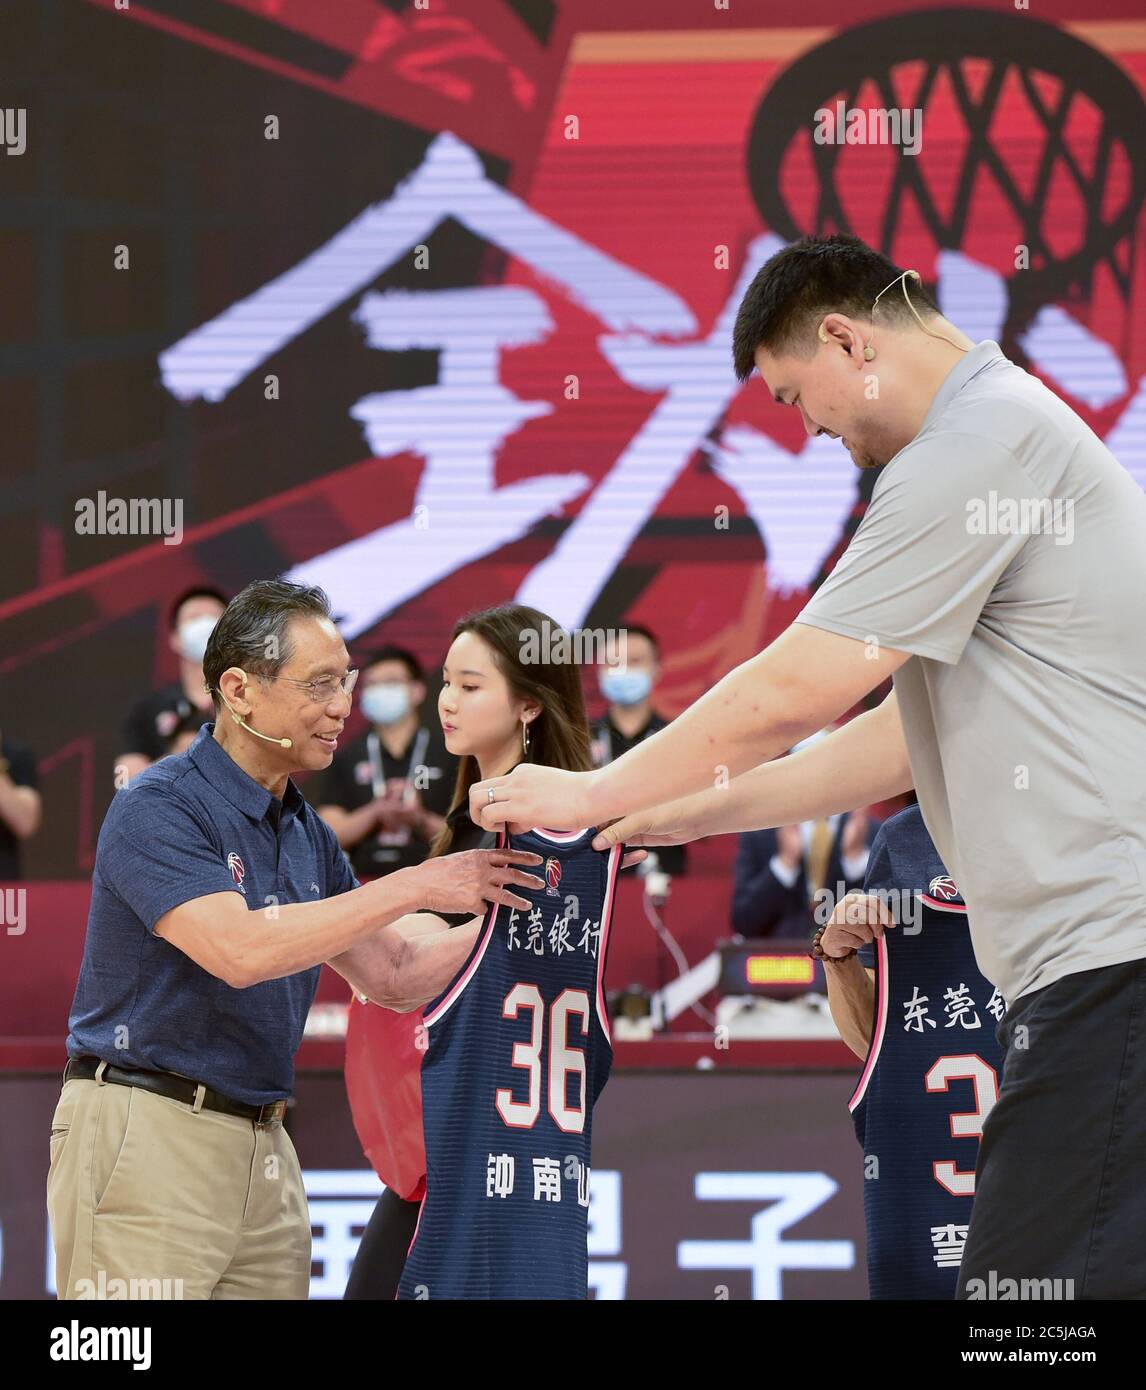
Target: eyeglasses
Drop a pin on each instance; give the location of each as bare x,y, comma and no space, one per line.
322,691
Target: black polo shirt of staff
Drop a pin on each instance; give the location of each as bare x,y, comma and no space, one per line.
609,744
361,771
153,718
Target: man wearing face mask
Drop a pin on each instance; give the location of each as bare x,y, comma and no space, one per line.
153,718
630,718
387,795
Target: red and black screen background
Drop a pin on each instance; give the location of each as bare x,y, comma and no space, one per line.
145,128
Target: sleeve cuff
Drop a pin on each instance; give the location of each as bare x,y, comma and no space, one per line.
157,908
910,646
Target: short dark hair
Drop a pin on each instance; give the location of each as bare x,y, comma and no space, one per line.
391,653
196,591
639,630
256,622
812,277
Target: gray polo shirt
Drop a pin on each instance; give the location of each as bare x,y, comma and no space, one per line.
1005,547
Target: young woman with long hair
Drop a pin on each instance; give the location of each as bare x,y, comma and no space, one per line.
496,710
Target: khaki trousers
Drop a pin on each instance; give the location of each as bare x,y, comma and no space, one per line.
149,1199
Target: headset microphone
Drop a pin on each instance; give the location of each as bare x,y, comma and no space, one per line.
282,742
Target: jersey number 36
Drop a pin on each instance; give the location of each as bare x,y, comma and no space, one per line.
562,1059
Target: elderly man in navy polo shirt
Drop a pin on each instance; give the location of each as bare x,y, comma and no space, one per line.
217,894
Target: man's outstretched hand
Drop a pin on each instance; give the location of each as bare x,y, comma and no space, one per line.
546,798
639,829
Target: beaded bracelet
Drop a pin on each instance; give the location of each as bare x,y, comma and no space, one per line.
818,953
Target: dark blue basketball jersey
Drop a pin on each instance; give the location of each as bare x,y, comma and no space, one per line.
931,1074
517,1051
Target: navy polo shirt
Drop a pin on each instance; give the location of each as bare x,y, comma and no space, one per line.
192,824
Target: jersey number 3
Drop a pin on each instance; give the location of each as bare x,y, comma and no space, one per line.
966,1124
563,1059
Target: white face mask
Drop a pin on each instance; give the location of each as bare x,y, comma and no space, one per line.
386,703
621,685
193,636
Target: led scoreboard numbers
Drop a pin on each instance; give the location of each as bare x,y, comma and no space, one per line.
778,969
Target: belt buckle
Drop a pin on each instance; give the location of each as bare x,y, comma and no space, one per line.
271,1114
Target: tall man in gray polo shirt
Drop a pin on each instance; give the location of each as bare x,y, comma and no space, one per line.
217,894
998,577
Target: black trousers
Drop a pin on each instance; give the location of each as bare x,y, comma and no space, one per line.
381,1255
1060,1186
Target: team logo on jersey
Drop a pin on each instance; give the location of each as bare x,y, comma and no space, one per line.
943,888
237,868
552,877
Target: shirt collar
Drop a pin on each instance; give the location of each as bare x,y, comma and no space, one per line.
640,733
241,790
981,356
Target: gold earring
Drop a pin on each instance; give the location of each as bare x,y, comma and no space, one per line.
524,737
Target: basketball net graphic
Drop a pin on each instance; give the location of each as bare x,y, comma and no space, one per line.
1030,138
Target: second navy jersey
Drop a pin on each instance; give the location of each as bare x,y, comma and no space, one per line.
517,1050
931,1074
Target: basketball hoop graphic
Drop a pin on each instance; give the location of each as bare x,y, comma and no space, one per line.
1031,138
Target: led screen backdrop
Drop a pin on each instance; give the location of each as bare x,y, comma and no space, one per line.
703,1187
431,304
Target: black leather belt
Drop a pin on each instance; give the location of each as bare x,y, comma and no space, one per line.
166,1083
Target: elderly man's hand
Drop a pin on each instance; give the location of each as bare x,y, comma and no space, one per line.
470,880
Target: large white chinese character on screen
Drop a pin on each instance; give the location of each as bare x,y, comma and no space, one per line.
765,1252
696,384
341,1203
608,1273
654,344
459,424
